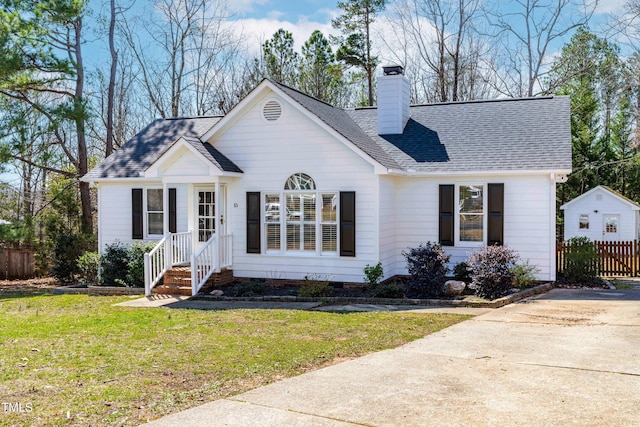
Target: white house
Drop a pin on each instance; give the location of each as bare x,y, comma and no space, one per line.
602,214
285,186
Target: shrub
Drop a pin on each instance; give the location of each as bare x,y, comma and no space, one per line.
388,290
135,264
315,286
67,249
523,275
247,289
372,275
581,261
427,266
88,265
491,270
115,264
462,272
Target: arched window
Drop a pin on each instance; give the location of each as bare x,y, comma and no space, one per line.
308,219
300,181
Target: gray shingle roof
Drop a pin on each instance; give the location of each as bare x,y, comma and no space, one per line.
213,155
500,135
141,151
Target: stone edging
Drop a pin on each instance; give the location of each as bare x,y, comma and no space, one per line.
500,302
98,290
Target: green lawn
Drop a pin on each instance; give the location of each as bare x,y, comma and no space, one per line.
78,360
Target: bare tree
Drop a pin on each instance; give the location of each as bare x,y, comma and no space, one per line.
527,32
445,51
182,48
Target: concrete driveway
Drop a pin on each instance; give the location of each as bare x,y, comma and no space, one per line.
566,358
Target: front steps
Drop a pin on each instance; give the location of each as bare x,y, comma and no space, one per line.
177,281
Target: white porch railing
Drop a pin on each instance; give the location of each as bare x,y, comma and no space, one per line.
214,255
226,249
203,264
173,249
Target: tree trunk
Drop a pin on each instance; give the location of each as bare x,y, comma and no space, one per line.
112,80
79,117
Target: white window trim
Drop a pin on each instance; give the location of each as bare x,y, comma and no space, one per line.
588,227
465,244
283,251
145,220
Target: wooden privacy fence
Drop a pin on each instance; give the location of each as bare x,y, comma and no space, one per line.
614,258
17,263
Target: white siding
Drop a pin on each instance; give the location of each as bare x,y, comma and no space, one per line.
388,226
114,210
595,205
268,153
528,218
186,164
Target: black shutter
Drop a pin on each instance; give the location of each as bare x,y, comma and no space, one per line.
495,210
137,228
347,223
446,216
253,222
173,222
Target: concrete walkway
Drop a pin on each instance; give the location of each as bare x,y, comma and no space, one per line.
566,358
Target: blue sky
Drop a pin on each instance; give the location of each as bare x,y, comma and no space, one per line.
259,19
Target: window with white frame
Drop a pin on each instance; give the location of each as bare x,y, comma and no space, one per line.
305,217
154,211
471,214
584,222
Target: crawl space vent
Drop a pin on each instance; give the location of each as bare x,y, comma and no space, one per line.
272,111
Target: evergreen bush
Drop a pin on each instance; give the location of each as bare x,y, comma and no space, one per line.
427,266
582,261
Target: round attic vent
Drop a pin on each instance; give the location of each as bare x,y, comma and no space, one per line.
272,111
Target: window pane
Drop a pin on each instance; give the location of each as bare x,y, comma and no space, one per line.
154,199
611,224
471,200
273,236
154,223
471,228
271,208
309,203
329,207
329,238
293,207
309,237
293,236
584,222
300,181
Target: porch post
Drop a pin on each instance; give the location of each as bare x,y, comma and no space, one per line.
218,227
165,207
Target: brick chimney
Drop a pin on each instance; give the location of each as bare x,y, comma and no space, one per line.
393,100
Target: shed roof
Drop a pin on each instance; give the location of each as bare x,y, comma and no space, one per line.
603,188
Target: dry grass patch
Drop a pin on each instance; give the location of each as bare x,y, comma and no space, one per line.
79,360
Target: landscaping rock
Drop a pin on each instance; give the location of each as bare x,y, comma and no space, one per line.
454,288
216,293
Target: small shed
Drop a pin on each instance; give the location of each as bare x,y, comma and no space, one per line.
602,214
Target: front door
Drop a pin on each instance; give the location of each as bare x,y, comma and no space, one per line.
610,227
206,218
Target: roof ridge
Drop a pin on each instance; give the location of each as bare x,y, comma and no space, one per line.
471,101
191,117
